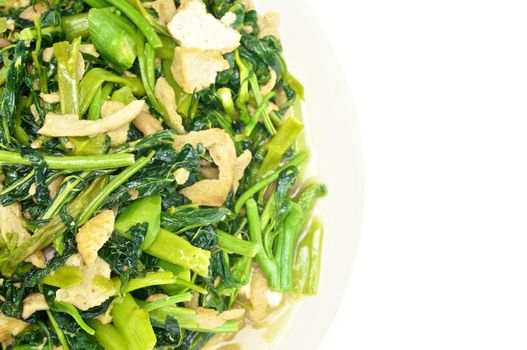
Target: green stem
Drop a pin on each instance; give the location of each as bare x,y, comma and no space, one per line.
167,301
98,4
150,279
76,26
234,245
73,312
146,58
3,75
67,55
63,194
299,159
268,266
133,324
176,250
140,21
112,186
279,144
60,334
306,273
256,117
18,183
108,336
287,242
187,318
93,80
46,234
107,161
262,103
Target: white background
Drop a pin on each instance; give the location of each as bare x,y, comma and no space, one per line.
440,88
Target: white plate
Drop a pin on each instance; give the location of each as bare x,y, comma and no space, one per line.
333,135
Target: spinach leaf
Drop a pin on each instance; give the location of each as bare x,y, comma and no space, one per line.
12,91
170,335
15,289
194,340
156,177
123,254
202,237
187,217
36,336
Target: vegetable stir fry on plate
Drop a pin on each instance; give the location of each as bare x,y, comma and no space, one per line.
151,158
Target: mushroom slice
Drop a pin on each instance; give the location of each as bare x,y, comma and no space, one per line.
57,125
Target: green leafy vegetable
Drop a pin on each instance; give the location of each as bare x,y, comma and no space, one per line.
169,272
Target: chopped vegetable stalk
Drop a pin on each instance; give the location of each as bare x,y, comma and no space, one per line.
146,209
286,247
146,60
187,318
267,263
64,277
73,162
98,4
86,146
306,273
151,279
225,96
262,102
100,97
279,144
177,250
172,300
114,37
133,324
67,55
108,336
93,80
141,23
75,26
234,245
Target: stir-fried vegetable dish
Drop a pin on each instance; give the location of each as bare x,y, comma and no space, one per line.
151,174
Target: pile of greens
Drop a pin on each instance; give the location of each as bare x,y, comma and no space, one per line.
194,257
